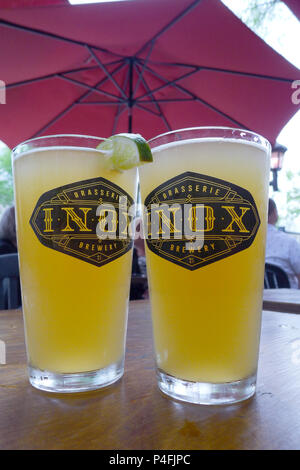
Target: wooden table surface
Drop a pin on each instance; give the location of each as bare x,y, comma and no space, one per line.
134,414
282,300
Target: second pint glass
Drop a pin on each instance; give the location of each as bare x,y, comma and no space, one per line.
206,294
75,285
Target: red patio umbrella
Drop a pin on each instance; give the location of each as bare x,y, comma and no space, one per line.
145,66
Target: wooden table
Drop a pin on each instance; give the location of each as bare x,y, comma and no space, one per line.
133,414
282,300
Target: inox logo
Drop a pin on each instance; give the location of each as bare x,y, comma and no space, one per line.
220,218
163,220
81,220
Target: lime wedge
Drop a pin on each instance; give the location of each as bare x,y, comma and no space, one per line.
125,151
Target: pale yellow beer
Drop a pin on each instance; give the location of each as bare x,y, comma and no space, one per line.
75,312
206,322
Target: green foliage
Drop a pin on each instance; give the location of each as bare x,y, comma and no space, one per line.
293,195
6,178
258,13
289,217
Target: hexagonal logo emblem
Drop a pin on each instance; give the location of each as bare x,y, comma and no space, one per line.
88,220
194,220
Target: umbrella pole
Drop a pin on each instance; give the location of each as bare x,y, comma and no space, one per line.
130,97
129,120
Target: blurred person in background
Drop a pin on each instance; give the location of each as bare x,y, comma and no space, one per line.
282,249
139,285
8,238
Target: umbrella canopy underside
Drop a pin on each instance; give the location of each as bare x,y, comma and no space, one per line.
146,67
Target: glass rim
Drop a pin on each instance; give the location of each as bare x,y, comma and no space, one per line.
258,138
55,136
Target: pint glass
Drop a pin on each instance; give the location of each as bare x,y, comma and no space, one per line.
206,276
75,284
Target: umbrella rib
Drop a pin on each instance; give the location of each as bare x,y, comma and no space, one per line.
54,120
116,118
104,69
102,81
62,113
167,100
46,77
249,74
94,103
91,88
229,71
161,114
197,69
170,24
55,36
140,73
168,83
51,75
119,111
148,110
93,67
196,98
